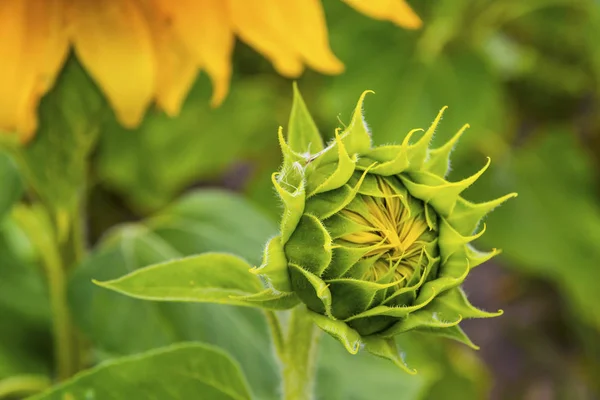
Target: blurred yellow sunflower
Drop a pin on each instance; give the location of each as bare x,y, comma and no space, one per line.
139,51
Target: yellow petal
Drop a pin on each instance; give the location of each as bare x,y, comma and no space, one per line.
397,11
306,31
113,41
203,26
34,46
176,69
259,23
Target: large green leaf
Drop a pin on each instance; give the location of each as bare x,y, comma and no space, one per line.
445,370
343,376
54,164
150,165
214,220
208,220
182,371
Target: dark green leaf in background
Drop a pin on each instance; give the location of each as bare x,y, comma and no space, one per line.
11,187
183,371
54,164
25,342
153,163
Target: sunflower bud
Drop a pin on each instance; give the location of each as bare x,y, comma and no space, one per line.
374,240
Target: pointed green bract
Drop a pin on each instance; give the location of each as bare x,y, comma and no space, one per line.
439,159
356,136
387,348
274,266
303,134
376,242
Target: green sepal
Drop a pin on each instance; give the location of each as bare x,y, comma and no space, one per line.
303,134
418,151
438,162
454,332
344,258
396,312
476,257
339,225
431,217
451,241
426,318
311,289
324,179
271,299
274,267
388,349
324,205
392,300
356,136
352,296
432,189
450,275
289,155
293,198
359,269
466,216
388,160
395,156
454,303
347,336
309,245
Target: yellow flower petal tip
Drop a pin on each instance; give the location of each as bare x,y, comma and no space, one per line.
396,11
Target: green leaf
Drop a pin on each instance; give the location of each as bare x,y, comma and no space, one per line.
303,134
214,220
24,307
202,221
206,278
54,164
343,376
11,187
181,371
151,164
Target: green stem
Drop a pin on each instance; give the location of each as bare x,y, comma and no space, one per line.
300,356
64,340
22,385
70,352
276,333
42,231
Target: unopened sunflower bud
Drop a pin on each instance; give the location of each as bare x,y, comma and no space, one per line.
374,240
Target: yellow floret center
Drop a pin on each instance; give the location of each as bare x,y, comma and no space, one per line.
393,230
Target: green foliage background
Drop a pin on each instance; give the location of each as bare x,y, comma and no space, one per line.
524,75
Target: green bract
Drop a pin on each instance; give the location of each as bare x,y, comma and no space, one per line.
374,240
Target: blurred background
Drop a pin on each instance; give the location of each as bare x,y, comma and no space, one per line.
524,75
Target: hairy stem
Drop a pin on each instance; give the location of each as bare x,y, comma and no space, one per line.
59,240
70,249
300,356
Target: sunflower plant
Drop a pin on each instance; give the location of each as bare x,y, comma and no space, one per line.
374,242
